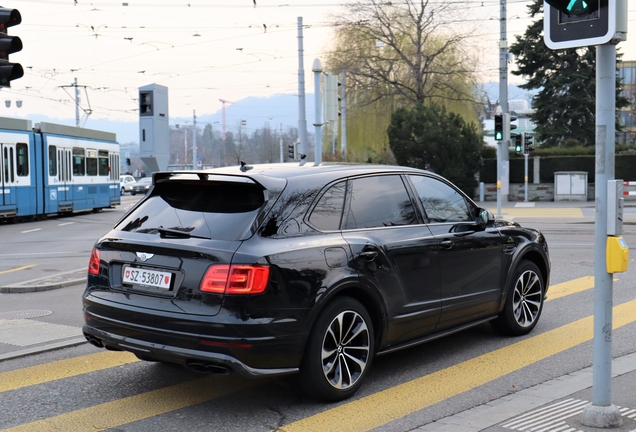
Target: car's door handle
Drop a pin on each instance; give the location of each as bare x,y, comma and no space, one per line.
446,244
369,255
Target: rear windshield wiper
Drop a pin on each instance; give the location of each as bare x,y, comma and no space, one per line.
176,232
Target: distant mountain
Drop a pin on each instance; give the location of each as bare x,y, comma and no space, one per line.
276,110
256,111
491,89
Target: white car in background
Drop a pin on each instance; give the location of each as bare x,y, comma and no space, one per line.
127,182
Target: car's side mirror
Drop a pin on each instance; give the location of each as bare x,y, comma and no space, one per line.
485,218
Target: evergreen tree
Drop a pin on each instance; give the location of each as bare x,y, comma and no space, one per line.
565,106
427,136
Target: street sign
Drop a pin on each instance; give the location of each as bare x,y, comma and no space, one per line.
578,23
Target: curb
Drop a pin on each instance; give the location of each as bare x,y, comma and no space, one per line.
60,280
44,348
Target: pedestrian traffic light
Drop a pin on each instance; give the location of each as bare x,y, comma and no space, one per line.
518,144
579,23
291,151
9,45
527,143
498,127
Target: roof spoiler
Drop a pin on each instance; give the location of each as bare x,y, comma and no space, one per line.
270,183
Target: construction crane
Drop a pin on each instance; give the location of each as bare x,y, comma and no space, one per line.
224,102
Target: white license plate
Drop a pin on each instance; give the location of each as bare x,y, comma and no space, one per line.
139,276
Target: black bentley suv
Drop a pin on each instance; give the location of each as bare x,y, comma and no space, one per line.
281,268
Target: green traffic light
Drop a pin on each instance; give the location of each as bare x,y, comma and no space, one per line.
578,7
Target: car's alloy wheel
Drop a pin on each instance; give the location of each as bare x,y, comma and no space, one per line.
527,298
524,301
345,350
339,351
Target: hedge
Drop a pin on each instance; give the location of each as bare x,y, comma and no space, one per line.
625,168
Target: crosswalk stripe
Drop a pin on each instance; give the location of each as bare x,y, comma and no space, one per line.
134,408
39,374
396,402
570,287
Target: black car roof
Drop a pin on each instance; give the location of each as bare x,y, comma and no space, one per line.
273,175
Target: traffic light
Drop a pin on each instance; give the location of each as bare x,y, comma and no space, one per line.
575,7
579,23
499,127
291,151
527,143
9,45
518,143
508,126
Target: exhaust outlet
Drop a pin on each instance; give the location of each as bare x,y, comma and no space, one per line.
94,341
207,368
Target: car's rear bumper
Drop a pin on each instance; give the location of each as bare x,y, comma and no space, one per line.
174,354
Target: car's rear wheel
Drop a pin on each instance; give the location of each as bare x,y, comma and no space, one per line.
524,301
123,191
339,351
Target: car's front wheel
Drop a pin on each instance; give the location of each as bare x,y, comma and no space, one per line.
339,351
524,301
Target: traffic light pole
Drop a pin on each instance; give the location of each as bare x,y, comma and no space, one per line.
502,146
601,412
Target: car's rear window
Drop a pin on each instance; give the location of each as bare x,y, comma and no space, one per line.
208,209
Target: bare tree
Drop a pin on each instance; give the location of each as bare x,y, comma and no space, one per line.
415,50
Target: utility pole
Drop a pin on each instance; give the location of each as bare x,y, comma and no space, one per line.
302,116
194,140
502,147
317,70
343,117
77,119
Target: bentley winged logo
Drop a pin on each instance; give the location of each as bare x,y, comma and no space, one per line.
144,256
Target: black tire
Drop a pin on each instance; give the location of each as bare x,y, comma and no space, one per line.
524,301
123,191
133,193
339,351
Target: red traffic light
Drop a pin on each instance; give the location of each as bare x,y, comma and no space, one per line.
9,18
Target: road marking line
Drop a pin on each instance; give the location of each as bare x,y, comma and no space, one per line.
135,408
570,287
66,223
18,269
540,212
30,231
52,371
396,402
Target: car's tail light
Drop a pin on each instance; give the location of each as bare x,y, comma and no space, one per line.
93,262
235,279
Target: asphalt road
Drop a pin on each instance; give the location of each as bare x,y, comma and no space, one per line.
82,388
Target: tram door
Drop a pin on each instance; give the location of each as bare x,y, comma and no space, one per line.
64,189
8,180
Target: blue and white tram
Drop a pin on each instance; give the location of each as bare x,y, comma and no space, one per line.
55,169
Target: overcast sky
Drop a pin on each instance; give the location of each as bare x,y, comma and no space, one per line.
202,50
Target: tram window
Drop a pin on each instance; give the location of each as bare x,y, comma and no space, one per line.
5,163
23,159
91,162
12,164
52,161
79,163
103,162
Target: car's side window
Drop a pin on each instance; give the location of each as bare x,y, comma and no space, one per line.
441,202
327,213
379,201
